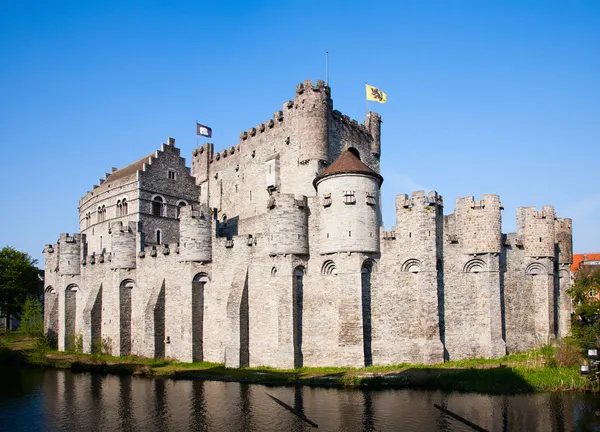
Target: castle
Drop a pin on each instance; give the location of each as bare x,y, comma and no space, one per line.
272,252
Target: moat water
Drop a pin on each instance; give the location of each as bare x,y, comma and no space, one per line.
59,400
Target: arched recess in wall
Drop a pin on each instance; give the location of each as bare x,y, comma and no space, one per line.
125,294
274,271
199,283
476,265
297,310
564,274
366,272
71,317
536,268
411,265
180,203
329,268
51,308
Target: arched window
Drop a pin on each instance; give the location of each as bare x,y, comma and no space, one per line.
119,211
179,205
99,214
158,239
124,210
102,213
158,205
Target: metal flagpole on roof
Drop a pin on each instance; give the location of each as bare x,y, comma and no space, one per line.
366,102
327,68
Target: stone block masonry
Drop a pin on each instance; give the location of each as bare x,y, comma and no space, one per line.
272,252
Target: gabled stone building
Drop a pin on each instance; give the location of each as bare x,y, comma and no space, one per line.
272,252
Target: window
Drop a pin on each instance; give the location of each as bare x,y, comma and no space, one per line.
370,199
179,205
158,206
349,197
122,207
171,174
326,200
158,237
99,214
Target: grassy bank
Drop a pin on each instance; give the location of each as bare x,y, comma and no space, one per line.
517,373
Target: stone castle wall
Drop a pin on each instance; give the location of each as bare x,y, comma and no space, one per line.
263,267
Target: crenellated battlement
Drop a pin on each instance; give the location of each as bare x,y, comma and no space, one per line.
280,236
418,198
288,224
478,224
195,234
536,230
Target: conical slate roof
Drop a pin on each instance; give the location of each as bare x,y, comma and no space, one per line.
347,163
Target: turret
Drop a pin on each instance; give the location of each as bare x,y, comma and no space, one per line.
350,213
123,246
373,123
479,224
195,240
563,233
288,224
536,230
419,225
312,105
69,254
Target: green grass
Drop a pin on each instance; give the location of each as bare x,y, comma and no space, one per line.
514,373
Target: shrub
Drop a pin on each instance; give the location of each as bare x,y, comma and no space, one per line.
32,319
75,343
102,346
568,352
40,349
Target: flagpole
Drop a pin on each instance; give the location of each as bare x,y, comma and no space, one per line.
196,133
327,68
366,102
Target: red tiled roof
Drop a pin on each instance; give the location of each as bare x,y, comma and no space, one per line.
348,163
128,170
578,259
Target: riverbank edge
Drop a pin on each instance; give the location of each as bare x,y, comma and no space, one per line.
519,373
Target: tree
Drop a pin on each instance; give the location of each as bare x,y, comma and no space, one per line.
32,319
585,293
19,278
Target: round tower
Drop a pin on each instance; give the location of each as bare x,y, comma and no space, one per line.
536,228
480,224
123,246
312,106
349,194
69,254
195,239
563,233
288,224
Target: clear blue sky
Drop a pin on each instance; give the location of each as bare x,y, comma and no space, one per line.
483,96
